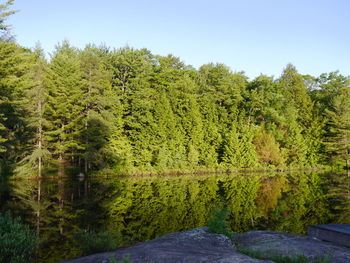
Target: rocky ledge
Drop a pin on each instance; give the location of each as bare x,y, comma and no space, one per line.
198,245
267,243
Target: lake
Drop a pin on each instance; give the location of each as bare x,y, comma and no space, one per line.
142,208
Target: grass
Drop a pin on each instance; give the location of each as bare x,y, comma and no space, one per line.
91,242
125,259
278,258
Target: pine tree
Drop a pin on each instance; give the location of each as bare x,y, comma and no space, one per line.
2,129
301,120
238,149
98,101
4,14
4,55
328,86
15,63
64,108
212,136
338,139
295,86
189,126
164,132
131,70
128,67
35,96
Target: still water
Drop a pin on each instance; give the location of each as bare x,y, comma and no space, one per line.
143,208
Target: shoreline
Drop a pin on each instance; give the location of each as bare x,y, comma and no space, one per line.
175,173
198,245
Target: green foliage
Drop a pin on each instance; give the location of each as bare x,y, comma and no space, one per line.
143,208
64,107
306,204
240,193
14,66
36,153
238,148
91,242
131,111
18,243
338,139
218,222
4,14
125,259
268,149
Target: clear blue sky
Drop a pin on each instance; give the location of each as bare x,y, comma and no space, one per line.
255,36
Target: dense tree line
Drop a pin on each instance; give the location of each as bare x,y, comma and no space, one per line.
130,110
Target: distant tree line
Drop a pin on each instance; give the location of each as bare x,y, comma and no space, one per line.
130,110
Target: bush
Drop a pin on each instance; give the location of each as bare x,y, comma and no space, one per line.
18,243
218,222
90,242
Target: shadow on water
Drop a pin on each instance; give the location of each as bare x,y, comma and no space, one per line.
146,207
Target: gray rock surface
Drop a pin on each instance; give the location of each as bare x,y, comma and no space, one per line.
191,246
198,245
268,242
336,233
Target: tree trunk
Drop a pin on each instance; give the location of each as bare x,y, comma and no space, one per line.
60,165
61,203
86,143
87,106
38,208
40,139
60,157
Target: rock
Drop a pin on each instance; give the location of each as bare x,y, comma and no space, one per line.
191,246
268,242
336,233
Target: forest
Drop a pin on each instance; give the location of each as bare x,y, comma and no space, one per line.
126,110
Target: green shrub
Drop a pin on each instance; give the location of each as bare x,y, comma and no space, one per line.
90,242
218,222
18,243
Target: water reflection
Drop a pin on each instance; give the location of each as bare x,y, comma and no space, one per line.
147,207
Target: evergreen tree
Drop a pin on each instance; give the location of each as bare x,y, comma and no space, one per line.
128,68
97,108
239,150
64,107
303,141
165,133
189,126
294,84
131,70
98,100
328,86
212,135
4,30
265,102
15,63
338,139
35,97
4,14
2,129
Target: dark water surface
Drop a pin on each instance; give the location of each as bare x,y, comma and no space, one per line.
146,207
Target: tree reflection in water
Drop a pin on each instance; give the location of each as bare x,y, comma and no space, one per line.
146,207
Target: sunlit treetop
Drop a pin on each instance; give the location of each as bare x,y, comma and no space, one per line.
5,12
